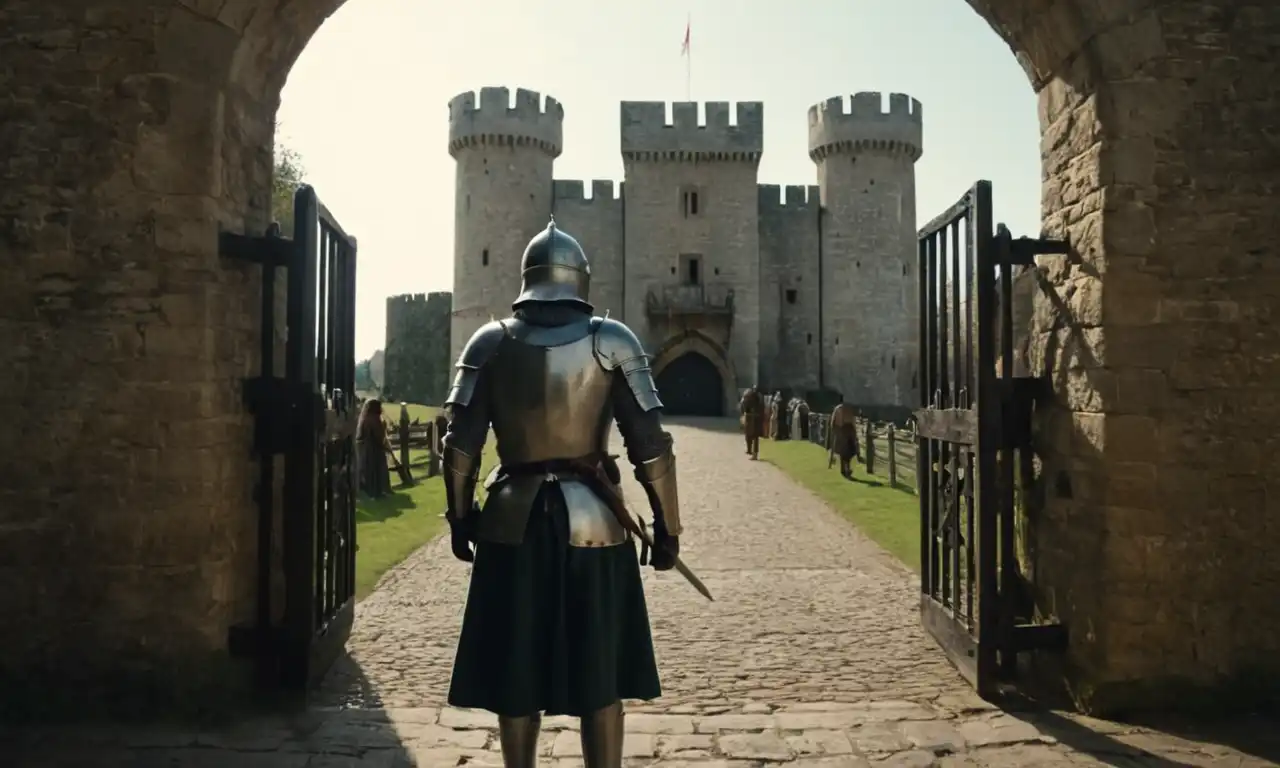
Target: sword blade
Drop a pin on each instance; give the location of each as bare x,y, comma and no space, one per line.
680,567
689,576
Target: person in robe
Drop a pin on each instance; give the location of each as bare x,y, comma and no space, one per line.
371,450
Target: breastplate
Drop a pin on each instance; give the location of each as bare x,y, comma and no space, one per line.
549,402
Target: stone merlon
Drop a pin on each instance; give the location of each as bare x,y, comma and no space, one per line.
646,133
575,189
530,122
793,196
866,126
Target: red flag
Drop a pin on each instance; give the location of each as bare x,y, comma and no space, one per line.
684,49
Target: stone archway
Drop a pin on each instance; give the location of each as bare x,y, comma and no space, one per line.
128,335
706,352
690,385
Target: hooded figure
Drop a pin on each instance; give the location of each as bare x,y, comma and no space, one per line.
556,620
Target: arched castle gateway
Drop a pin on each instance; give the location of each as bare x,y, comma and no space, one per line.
129,515
799,287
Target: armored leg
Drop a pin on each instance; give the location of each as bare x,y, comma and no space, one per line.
602,737
519,738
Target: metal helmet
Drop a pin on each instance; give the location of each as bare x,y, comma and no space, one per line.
554,268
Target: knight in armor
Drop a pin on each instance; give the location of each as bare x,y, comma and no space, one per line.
555,621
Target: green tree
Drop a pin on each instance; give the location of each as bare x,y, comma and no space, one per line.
364,377
287,177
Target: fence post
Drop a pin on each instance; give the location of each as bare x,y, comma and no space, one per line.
404,438
893,457
871,448
433,454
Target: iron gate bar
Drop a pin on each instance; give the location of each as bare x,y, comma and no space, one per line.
974,441
318,614
950,426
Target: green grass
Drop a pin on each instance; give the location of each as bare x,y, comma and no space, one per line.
391,528
888,516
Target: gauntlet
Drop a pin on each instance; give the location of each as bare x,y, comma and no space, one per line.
658,477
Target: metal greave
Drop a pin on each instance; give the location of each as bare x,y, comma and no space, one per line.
519,738
602,733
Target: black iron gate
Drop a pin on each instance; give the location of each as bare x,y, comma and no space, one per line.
973,429
309,417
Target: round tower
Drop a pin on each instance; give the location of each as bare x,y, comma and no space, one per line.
504,157
866,158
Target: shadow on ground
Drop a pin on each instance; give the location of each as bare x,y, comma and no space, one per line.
1165,742
289,734
392,504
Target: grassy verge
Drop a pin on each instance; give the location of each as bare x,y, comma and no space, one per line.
888,516
393,527
389,529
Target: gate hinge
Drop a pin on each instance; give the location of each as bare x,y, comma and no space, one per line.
269,250
1024,250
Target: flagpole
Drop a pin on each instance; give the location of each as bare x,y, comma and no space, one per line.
687,51
688,63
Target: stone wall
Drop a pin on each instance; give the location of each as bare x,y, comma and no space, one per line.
719,164
597,223
790,287
418,362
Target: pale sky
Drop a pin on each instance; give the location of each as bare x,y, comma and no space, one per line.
366,104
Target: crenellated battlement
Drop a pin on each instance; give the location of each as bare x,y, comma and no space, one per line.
646,134
494,120
414,299
864,125
570,190
794,196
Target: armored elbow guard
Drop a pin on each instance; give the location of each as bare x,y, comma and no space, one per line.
460,474
658,477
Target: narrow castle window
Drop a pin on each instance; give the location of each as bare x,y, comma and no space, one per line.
791,295
808,338
484,257
689,202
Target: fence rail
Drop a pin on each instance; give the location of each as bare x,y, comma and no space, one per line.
884,447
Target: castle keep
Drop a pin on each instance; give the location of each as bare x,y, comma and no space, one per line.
727,281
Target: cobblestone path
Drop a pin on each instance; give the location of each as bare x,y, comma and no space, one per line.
811,656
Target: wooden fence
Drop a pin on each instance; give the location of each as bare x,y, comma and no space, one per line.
415,447
882,448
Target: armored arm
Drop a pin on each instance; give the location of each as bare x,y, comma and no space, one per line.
637,408
468,413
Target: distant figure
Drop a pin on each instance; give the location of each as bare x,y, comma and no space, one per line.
799,418
371,450
783,429
752,409
842,437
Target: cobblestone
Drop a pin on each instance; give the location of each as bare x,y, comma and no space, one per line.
811,656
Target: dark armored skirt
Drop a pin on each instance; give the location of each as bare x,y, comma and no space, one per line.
553,628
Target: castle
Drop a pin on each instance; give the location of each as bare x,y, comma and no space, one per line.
728,282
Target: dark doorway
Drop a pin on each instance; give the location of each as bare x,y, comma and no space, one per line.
691,386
